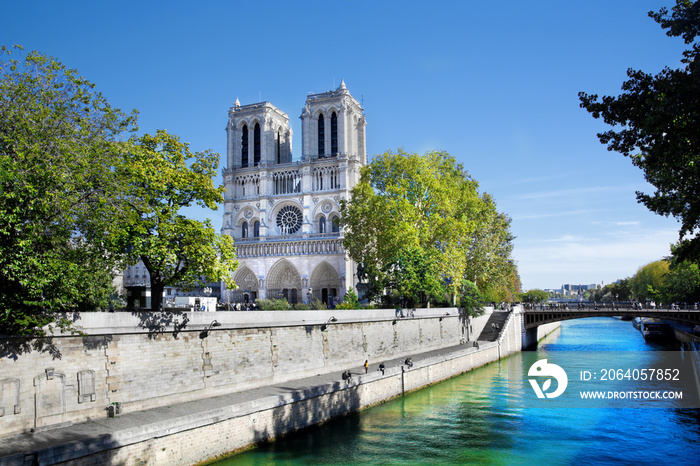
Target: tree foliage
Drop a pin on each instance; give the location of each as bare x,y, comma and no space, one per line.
659,120
160,176
683,283
534,296
349,301
471,299
58,147
620,291
649,282
272,304
417,225
79,199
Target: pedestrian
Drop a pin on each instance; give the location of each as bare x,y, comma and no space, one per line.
382,367
409,362
493,327
366,366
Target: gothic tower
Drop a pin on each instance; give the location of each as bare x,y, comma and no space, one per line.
283,214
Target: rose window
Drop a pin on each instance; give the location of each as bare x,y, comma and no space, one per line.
289,220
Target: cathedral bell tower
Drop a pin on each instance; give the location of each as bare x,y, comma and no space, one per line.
284,214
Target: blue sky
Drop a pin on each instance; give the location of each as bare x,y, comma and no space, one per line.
493,83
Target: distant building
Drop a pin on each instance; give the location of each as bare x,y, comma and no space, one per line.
136,279
570,290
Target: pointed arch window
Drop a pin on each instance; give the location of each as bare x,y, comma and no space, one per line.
244,146
322,224
256,229
321,135
279,151
335,224
334,134
256,144
244,230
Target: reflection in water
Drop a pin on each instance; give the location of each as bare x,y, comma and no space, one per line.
481,418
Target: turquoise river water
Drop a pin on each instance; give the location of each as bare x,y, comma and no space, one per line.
482,418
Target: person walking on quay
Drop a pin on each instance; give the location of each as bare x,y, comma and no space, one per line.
382,367
409,362
366,365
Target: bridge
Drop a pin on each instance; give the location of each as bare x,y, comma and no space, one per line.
532,318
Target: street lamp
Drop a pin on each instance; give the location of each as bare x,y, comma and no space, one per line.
205,332
325,326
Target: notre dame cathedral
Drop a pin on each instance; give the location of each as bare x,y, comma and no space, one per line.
283,214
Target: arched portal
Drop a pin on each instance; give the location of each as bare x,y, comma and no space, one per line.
284,281
325,283
247,282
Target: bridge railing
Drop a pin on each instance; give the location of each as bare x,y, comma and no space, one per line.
622,305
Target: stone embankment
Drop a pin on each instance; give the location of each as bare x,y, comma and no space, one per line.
182,390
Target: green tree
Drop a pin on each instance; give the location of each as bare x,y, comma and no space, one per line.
622,290
58,148
415,273
414,222
349,301
650,281
505,289
658,116
534,296
160,176
682,283
489,262
470,299
619,291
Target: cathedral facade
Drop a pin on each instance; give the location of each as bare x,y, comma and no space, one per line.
283,214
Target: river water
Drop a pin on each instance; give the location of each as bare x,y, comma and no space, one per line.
481,417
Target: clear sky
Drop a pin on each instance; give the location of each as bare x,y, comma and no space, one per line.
493,83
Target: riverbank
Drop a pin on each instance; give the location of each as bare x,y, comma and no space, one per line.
202,425
202,430
486,417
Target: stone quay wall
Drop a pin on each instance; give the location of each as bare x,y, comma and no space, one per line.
207,435
213,435
148,360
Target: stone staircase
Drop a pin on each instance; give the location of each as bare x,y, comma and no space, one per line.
497,318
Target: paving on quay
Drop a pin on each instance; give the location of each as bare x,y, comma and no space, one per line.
127,428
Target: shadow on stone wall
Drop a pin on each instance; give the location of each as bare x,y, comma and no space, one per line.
12,348
73,448
96,342
157,322
314,409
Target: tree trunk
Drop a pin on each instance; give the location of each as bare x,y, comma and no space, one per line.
157,288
